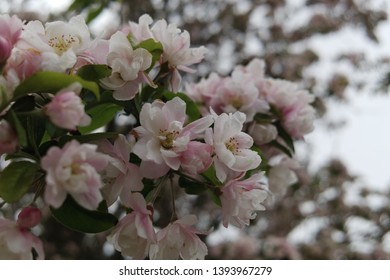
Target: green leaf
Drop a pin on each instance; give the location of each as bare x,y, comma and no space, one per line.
264,118
94,72
78,5
24,104
77,218
154,47
100,116
211,176
285,136
16,179
88,137
3,99
18,127
191,187
282,148
215,198
52,82
264,162
192,109
93,13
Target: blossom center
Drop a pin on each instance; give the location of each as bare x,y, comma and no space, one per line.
236,102
62,44
167,138
75,168
232,145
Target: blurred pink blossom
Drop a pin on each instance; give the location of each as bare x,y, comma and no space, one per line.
294,105
74,169
10,30
66,109
16,240
179,240
197,158
134,233
241,199
121,176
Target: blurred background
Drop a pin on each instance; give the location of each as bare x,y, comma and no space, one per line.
337,49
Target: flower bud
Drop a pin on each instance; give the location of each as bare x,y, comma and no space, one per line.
29,217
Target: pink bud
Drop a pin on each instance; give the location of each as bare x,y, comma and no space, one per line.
5,49
29,217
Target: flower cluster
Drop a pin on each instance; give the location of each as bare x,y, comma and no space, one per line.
61,92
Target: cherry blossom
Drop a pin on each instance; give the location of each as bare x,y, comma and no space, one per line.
179,240
16,240
241,199
10,30
262,133
282,174
134,233
231,145
176,45
58,43
163,137
74,169
294,105
237,93
121,176
128,66
140,31
66,109
197,158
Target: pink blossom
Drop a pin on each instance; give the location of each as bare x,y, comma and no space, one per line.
197,158
237,93
262,133
128,67
177,51
66,109
179,240
96,53
16,240
139,31
10,30
282,174
23,63
294,104
163,137
8,139
134,233
176,45
121,176
58,43
231,145
254,71
205,90
241,199
74,169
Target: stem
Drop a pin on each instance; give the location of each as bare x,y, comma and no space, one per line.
174,214
31,137
40,187
158,189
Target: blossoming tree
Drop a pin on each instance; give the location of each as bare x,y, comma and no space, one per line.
231,137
